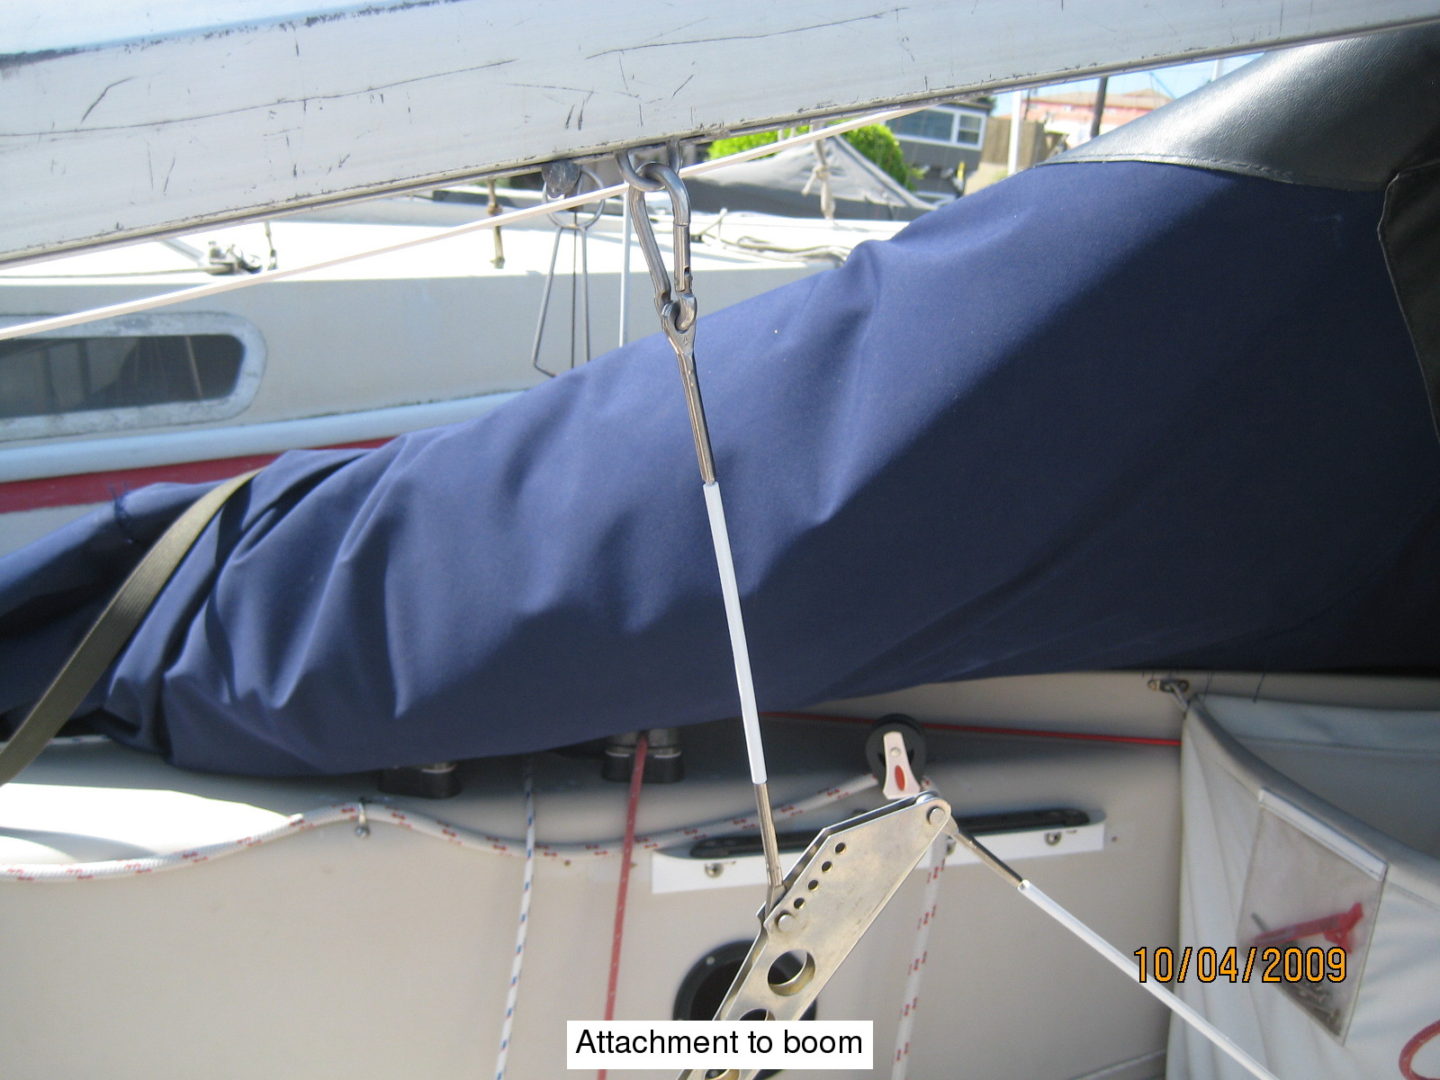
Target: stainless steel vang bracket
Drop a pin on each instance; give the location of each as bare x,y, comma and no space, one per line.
832,894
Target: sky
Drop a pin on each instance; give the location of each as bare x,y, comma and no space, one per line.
1175,81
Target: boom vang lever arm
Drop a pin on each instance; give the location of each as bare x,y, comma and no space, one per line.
676,305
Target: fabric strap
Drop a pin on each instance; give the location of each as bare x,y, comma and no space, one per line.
104,640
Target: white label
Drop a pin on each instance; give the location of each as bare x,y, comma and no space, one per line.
719,1044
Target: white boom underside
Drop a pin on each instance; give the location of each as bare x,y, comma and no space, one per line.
122,123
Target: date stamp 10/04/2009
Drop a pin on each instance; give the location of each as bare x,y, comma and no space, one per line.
1288,964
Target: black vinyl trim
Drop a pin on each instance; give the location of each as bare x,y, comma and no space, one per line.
1410,235
1342,114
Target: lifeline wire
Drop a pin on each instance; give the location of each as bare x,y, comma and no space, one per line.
356,813
988,729
512,994
214,288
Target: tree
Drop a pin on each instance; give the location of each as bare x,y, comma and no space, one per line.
877,142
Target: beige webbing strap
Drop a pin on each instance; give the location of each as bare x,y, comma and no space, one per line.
111,631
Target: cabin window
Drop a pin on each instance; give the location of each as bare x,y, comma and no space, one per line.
135,372
949,126
969,128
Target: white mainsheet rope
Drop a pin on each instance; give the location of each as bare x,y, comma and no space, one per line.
514,217
358,813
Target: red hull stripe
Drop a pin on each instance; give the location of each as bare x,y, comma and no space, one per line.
98,487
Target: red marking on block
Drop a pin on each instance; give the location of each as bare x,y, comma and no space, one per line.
1335,928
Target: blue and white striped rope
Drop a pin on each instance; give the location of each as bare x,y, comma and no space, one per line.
412,821
512,995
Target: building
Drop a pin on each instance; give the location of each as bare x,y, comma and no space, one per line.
1071,114
943,143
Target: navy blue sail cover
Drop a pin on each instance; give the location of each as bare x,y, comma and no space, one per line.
1099,416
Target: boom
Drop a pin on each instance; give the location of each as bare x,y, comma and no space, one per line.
120,124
